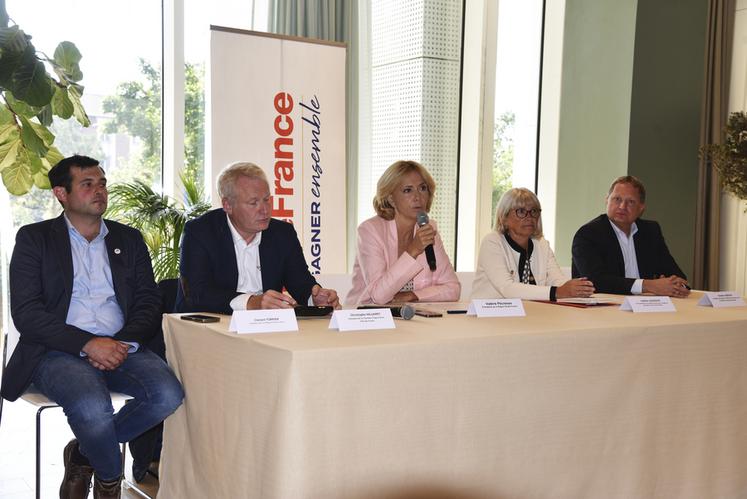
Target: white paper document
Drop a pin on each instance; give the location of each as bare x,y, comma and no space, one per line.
366,319
721,299
648,304
494,307
279,320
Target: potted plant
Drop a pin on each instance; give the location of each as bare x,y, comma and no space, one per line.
29,99
730,158
159,218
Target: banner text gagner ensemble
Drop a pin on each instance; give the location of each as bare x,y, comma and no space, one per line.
284,168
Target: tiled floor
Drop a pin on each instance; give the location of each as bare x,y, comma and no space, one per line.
17,453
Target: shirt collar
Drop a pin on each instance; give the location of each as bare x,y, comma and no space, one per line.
515,246
240,241
619,231
103,231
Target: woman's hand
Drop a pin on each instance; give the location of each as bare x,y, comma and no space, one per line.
424,236
575,288
404,296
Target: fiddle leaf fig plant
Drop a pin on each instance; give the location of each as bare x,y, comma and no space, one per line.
30,98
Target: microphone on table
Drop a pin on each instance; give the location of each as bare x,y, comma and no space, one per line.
430,255
405,311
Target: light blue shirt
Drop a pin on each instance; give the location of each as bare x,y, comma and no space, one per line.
627,246
93,306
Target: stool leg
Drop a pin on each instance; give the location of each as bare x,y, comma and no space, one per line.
38,452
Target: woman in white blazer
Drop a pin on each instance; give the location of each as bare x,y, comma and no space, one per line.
516,261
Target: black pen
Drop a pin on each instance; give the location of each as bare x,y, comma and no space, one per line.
456,311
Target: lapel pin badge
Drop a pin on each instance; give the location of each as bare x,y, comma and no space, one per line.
117,251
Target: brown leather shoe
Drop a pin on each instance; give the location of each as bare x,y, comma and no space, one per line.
107,490
77,478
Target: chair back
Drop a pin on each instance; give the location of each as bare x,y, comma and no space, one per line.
168,289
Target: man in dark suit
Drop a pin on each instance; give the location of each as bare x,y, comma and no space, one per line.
83,298
239,258
622,253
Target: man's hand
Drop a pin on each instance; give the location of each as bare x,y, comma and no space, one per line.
673,285
404,296
270,299
324,297
105,353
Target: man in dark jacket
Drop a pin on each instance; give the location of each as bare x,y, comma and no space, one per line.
622,253
84,301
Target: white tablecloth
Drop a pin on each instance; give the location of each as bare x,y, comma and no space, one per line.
562,403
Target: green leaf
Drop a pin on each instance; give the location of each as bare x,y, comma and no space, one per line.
17,177
9,153
13,39
61,104
31,140
41,180
30,82
45,115
20,107
43,133
74,92
35,163
6,116
67,56
9,61
7,132
53,156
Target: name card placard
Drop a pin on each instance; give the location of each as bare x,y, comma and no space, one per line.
279,320
362,319
493,307
648,304
721,299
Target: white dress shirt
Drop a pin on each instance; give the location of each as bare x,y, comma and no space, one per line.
250,271
627,246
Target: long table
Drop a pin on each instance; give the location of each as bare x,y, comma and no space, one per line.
562,403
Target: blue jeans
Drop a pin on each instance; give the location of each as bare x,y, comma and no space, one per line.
83,393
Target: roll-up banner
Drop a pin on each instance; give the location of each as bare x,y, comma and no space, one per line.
279,102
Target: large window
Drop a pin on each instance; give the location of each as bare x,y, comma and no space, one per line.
198,17
517,78
121,47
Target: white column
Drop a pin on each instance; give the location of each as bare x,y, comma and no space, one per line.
173,95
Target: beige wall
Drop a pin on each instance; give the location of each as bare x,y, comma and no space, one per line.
596,82
631,91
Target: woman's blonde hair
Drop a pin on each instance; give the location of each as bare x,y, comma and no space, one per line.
391,179
518,197
230,174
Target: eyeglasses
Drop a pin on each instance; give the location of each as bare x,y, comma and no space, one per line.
523,212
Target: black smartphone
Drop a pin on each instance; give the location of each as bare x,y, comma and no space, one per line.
313,310
200,318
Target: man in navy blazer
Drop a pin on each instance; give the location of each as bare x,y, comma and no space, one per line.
84,301
622,253
238,258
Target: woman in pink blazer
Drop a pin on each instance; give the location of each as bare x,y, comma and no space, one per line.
390,264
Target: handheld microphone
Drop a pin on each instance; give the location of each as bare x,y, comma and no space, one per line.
430,255
405,311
